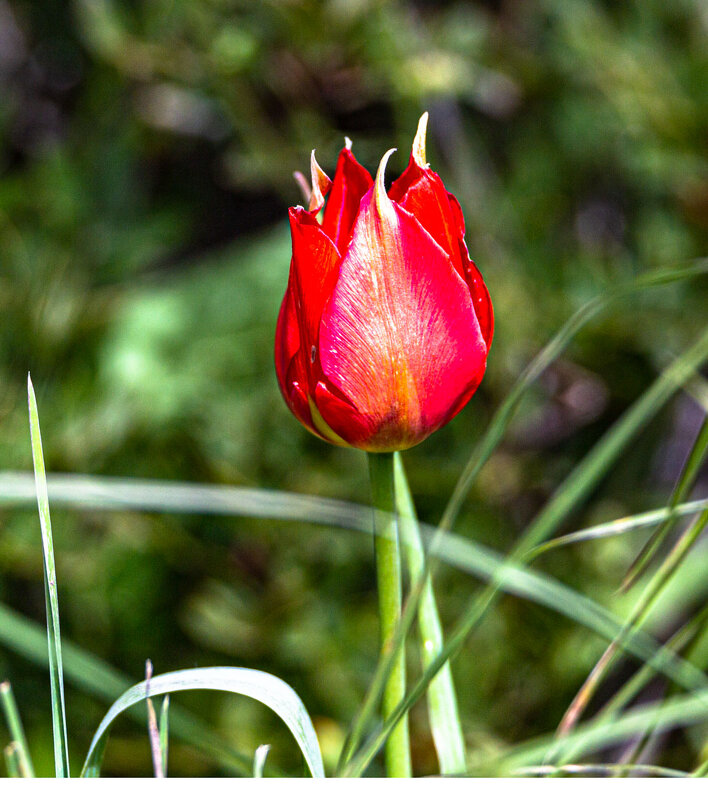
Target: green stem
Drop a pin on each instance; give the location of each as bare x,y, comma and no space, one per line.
442,699
388,572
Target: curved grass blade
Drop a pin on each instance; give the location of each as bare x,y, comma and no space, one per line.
683,487
89,673
17,731
56,671
617,527
261,686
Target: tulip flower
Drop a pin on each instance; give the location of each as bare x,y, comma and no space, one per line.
386,323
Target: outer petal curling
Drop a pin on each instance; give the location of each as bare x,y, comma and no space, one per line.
399,336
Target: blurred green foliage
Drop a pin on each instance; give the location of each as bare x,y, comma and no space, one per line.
146,152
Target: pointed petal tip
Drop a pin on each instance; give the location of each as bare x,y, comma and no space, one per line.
383,203
320,184
347,143
418,150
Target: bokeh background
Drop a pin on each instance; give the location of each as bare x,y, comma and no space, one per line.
146,155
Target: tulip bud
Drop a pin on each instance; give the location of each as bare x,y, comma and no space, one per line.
386,323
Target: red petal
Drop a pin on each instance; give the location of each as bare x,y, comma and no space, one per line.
314,271
287,336
399,336
289,368
421,192
351,182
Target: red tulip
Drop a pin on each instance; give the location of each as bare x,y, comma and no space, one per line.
386,323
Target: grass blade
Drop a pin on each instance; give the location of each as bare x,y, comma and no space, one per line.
56,670
441,696
617,527
261,686
17,732
164,732
683,487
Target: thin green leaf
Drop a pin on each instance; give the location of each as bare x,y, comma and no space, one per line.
17,731
443,713
56,671
261,686
165,732
683,487
619,526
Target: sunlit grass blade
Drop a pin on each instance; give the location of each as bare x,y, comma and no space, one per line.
683,487
56,672
261,686
443,712
638,613
17,732
259,759
165,732
90,674
576,486
617,527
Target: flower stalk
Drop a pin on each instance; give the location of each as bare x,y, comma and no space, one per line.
388,572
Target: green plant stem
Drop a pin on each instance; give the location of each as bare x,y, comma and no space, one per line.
388,573
442,698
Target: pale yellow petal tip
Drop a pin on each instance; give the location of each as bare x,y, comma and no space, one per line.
383,203
347,143
320,184
418,150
